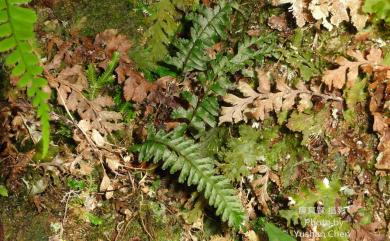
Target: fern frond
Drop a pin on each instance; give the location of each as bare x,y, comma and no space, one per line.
246,55
249,51
200,113
97,83
183,154
209,25
163,28
17,36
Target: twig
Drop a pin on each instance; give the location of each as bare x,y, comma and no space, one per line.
69,194
28,129
145,229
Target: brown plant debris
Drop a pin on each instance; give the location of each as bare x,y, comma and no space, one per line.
337,11
348,71
259,104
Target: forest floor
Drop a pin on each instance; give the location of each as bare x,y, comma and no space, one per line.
283,115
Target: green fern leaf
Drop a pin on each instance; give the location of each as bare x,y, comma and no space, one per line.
200,113
379,8
183,154
245,53
209,25
97,83
250,50
17,33
162,30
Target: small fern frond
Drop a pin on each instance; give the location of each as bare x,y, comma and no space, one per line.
163,28
97,83
249,51
17,36
209,25
246,55
200,113
182,154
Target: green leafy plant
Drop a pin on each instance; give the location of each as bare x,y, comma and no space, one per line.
17,33
310,123
3,191
380,8
200,113
353,95
164,25
276,234
251,50
97,83
268,145
242,153
180,153
75,184
93,219
209,25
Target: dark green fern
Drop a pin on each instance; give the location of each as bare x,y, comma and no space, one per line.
200,113
250,50
17,38
209,25
180,153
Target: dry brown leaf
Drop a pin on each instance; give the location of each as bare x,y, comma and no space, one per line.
258,105
137,88
380,98
298,8
278,23
113,162
98,138
251,236
348,71
106,186
367,232
79,167
335,10
220,238
383,159
70,84
260,185
112,42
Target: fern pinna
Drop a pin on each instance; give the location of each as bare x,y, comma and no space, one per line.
209,25
200,114
17,34
180,153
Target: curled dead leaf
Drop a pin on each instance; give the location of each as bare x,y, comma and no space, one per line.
105,186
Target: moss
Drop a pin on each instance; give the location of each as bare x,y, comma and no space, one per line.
94,16
22,222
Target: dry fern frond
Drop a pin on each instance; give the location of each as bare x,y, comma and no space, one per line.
258,105
260,185
337,11
348,71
